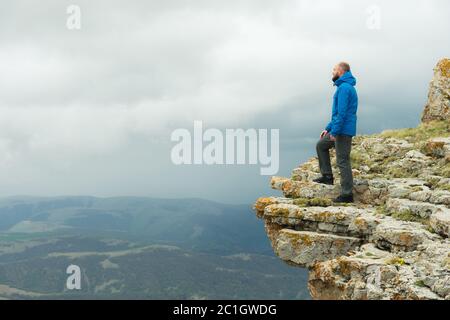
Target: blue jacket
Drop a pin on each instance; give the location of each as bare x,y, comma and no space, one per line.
345,105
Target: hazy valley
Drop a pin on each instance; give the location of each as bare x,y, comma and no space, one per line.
139,248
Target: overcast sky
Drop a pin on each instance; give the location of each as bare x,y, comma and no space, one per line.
91,111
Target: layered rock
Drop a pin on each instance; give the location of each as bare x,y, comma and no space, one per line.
393,242
438,105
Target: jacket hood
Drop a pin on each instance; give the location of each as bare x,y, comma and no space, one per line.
346,78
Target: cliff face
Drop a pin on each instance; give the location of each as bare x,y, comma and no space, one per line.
392,243
438,105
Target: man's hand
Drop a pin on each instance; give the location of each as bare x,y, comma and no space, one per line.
332,138
324,132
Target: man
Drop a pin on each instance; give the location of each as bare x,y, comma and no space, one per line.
339,132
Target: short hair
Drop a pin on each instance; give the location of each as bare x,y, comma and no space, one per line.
344,66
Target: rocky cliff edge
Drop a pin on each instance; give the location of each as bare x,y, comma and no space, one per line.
393,242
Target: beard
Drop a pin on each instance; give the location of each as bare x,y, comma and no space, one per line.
335,77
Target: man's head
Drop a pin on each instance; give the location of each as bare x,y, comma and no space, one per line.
340,69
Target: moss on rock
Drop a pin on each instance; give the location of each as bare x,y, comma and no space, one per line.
313,202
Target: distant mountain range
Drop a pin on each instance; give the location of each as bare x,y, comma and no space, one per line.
139,248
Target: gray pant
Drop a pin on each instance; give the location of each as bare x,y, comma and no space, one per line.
343,145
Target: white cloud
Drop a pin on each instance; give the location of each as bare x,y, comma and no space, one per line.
136,70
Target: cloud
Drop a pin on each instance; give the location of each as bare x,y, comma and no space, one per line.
137,70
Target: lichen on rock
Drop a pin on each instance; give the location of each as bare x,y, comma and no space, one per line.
438,105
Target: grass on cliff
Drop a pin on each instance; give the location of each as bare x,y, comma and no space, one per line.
314,202
418,137
445,170
443,187
422,132
317,202
420,283
405,215
408,215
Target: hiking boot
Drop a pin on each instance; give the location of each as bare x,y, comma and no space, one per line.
344,199
326,179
